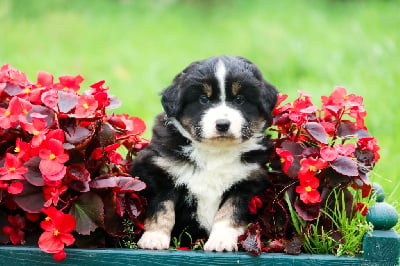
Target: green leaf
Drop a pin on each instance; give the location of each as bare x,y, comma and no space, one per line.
88,211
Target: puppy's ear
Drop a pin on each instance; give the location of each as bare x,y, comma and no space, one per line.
269,97
169,100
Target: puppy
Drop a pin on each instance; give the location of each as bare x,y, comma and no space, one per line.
207,157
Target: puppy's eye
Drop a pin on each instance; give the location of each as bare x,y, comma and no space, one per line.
204,99
239,99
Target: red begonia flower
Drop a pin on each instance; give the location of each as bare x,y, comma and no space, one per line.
14,231
362,208
53,159
86,106
22,150
38,128
345,150
70,82
12,169
15,188
369,144
58,227
308,190
310,165
15,113
52,194
286,159
50,98
329,154
44,79
254,204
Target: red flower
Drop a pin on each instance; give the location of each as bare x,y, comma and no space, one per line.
70,82
308,190
52,194
50,98
22,150
86,106
14,231
362,208
44,79
254,204
53,159
16,112
286,159
58,227
38,129
309,166
15,188
12,168
369,144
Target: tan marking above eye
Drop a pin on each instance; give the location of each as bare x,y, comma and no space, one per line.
235,88
207,89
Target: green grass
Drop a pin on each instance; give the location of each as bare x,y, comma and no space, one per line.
138,47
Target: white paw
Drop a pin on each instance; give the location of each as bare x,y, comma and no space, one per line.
223,238
154,240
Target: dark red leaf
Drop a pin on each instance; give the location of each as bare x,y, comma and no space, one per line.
134,207
77,135
95,240
129,184
48,114
79,186
67,101
13,89
34,176
346,128
88,211
293,247
107,135
112,221
30,199
307,212
317,132
78,172
120,204
251,241
345,166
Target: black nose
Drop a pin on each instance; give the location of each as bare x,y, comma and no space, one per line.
222,125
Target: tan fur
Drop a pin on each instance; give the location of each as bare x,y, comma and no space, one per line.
207,89
164,221
235,88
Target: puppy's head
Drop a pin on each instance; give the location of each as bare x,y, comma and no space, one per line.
221,99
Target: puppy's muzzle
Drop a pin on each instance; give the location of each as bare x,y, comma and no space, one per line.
222,125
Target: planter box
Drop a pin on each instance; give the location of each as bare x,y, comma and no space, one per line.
380,248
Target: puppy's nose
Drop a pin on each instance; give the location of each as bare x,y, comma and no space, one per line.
222,125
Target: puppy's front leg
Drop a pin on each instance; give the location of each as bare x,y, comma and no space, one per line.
158,228
225,231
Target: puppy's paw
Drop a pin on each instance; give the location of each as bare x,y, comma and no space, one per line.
154,240
223,239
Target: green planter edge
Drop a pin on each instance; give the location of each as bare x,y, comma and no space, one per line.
380,248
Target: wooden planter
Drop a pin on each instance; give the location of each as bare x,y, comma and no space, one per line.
380,248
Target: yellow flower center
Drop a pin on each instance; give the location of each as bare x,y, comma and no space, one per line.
346,97
52,156
308,189
27,90
56,232
17,149
7,113
282,160
11,169
25,111
86,106
38,85
313,168
65,89
47,219
36,132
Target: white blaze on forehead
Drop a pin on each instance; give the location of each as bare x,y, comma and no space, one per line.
220,74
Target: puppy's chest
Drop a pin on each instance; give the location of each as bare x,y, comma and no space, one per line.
209,174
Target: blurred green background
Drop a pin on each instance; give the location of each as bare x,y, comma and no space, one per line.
139,46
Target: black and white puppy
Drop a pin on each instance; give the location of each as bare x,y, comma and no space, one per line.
207,156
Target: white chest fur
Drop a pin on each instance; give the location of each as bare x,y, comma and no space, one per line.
217,169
